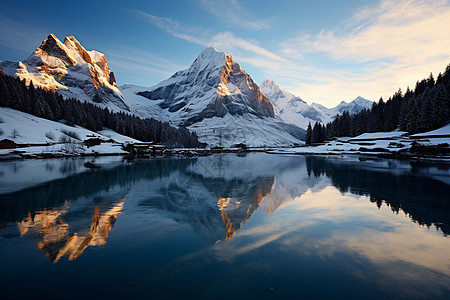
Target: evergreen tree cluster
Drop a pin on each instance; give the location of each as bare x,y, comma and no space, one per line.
14,93
424,109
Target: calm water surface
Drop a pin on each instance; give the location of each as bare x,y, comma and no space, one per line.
225,227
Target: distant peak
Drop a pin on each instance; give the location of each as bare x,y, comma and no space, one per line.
361,99
211,50
270,84
268,81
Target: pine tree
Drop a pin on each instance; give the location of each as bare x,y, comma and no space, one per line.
308,134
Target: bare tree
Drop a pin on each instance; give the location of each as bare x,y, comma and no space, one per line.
14,133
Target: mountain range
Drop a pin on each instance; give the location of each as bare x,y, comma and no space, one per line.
214,97
292,109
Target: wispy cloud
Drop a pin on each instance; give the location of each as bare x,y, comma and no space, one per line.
232,12
405,40
18,36
408,31
174,28
141,62
226,41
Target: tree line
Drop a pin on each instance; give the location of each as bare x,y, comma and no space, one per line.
425,108
16,94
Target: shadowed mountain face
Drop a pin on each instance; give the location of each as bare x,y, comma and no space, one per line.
214,196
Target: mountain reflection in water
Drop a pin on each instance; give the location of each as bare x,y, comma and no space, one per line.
215,195
225,227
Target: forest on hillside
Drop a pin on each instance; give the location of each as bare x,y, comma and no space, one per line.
15,93
425,108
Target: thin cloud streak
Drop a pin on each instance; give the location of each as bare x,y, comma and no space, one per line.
227,40
18,36
233,13
144,58
140,62
223,40
172,27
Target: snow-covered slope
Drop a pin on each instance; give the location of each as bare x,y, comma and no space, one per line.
30,129
385,143
292,109
54,137
71,71
443,131
215,98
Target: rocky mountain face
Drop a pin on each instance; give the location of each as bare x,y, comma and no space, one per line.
218,100
69,69
213,86
293,110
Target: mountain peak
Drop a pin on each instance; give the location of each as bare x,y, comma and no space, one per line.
290,108
215,86
71,70
274,91
210,50
269,83
52,46
360,99
211,58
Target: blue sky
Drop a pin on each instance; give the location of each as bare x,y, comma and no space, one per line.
323,51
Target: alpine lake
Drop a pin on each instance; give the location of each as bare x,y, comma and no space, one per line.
225,226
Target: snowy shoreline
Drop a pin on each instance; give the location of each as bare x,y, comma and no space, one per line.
24,136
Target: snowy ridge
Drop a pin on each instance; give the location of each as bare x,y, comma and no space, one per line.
71,70
292,109
353,107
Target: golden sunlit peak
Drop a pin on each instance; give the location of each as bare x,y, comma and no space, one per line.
228,202
223,203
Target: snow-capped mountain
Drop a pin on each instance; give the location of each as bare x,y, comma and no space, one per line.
353,107
293,110
215,98
290,108
71,71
